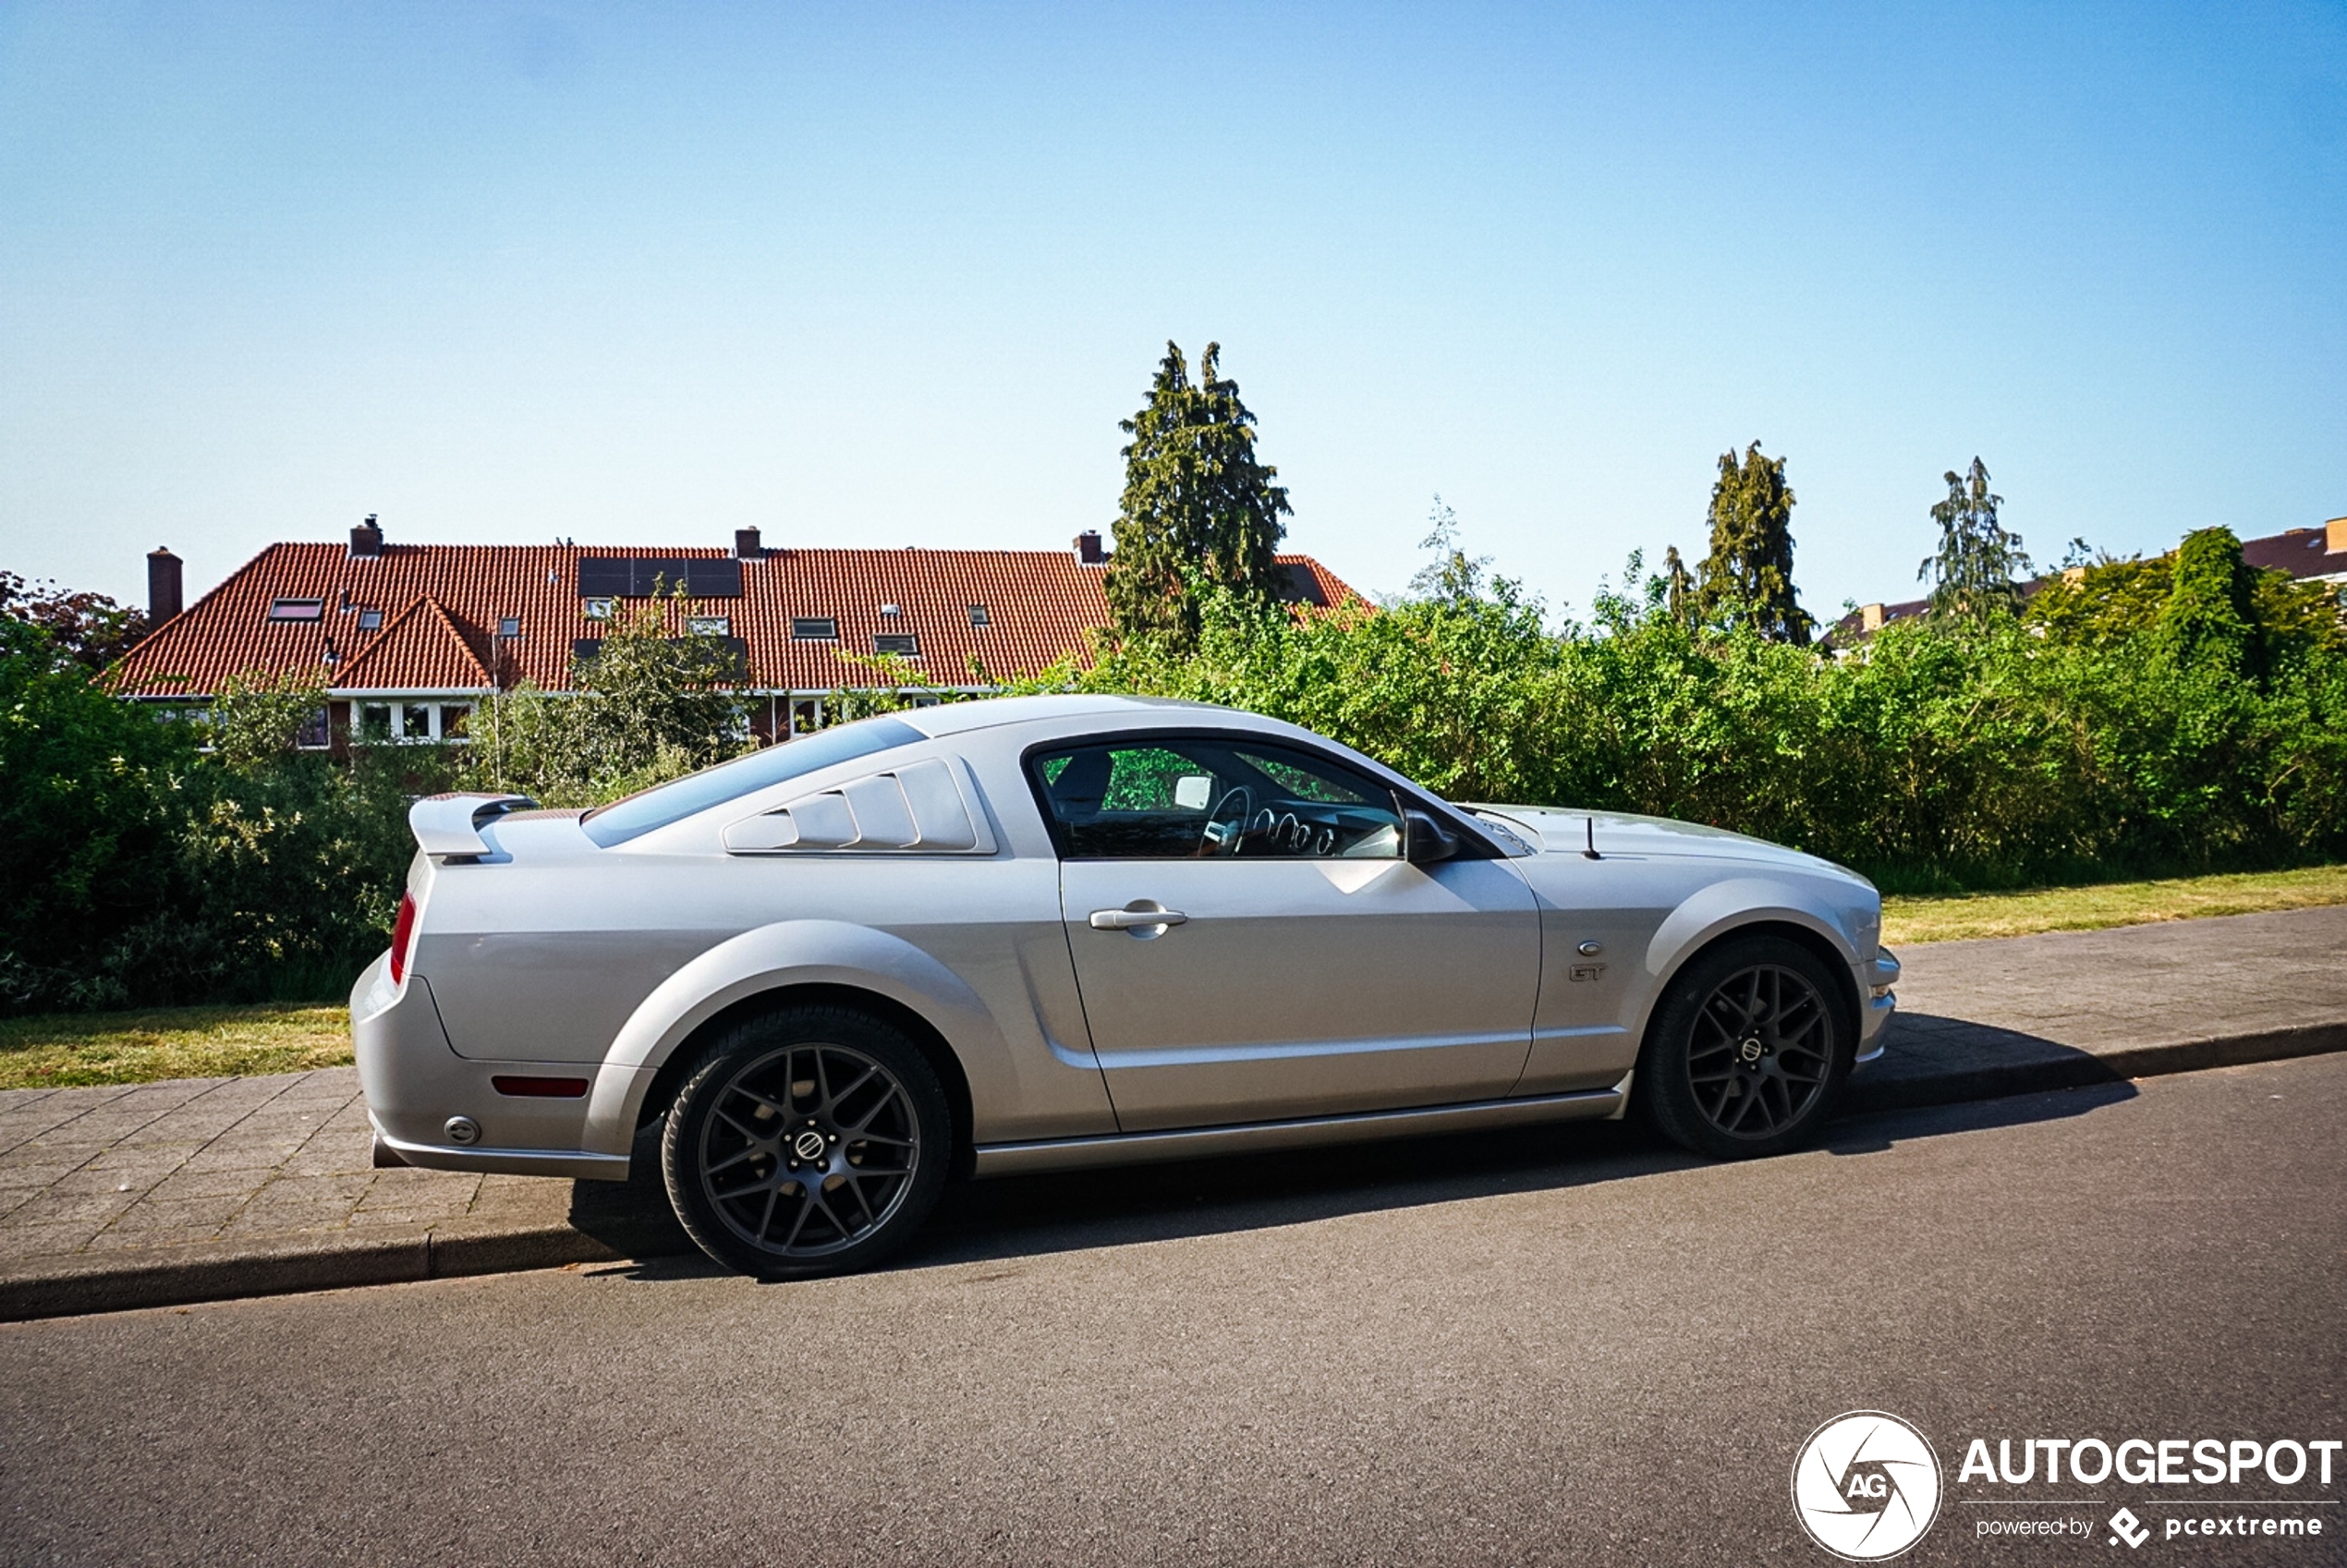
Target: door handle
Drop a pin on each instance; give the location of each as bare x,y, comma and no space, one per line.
1132,920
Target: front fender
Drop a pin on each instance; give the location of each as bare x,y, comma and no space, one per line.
1719,908
767,958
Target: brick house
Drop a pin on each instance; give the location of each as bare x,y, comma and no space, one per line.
410,638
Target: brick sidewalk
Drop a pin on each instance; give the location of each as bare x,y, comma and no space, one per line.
226,1160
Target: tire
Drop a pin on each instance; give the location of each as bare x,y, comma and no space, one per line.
810,1141
1749,1049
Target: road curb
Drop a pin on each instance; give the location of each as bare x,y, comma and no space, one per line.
121,1283
124,1282
2063,1069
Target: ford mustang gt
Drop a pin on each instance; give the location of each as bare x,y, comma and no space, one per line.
1042,934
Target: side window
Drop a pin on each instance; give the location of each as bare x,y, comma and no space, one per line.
1206,798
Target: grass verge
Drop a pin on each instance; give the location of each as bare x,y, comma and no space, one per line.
1946,918
57,1049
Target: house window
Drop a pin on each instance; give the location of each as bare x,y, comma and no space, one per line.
805,716
710,625
370,620
454,716
978,616
904,644
510,627
814,629
297,609
597,609
375,722
316,733
415,721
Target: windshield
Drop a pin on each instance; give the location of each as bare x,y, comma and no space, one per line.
679,799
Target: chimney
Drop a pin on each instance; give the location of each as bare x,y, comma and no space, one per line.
1870,617
2335,536
1087,548
746,546
366,540
164,599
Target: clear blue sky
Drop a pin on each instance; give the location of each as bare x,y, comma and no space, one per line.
864,274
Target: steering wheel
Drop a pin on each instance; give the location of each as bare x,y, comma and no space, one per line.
1220,836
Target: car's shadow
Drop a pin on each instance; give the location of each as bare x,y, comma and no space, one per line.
1022,1216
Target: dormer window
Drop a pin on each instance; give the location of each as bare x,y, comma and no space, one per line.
370,620
978,616
710,625
904,644
297,609
892,610
510,627
814,629
596,609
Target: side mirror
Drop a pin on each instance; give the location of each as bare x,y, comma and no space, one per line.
1428,840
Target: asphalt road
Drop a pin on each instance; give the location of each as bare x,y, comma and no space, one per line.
1562,1347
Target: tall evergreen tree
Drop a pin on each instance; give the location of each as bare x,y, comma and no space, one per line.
1979,566
1748,575
1198,509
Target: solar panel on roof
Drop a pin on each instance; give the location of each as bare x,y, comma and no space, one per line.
639,576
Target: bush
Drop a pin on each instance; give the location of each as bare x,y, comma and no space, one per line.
1944,755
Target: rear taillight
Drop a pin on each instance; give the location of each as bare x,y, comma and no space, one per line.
403,930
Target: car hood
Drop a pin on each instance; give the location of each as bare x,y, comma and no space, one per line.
1560,831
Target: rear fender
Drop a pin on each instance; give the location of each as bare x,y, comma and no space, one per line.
768,958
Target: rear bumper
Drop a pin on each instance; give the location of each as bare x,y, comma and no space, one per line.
415,1085
575,1163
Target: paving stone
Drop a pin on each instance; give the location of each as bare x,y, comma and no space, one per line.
183,1213
185,1182
90,1178
53,1208
48,1241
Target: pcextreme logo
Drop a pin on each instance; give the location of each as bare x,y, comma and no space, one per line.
1866,1486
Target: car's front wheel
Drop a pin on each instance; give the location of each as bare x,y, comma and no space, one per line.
812,1140
1749,1049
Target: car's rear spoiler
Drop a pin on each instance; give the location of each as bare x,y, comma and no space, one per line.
448,826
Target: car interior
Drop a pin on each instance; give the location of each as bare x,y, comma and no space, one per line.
1202,797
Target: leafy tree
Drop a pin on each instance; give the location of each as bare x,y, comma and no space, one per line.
88,628
2111,603
646,707
1747,578
1198,509
257,718
1454,576
1979,566
2207,617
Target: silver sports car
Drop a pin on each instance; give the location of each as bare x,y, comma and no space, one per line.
1037,933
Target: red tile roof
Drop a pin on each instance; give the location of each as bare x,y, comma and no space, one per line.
441,604
419,650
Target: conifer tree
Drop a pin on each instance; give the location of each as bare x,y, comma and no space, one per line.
1748,575
1198,507
1979,566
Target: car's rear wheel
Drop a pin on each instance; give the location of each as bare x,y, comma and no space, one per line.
1749,1049
807,1141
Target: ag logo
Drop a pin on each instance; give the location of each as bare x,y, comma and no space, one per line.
1866,1486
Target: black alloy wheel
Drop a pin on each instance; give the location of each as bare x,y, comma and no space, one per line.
806,1142
1747,1050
